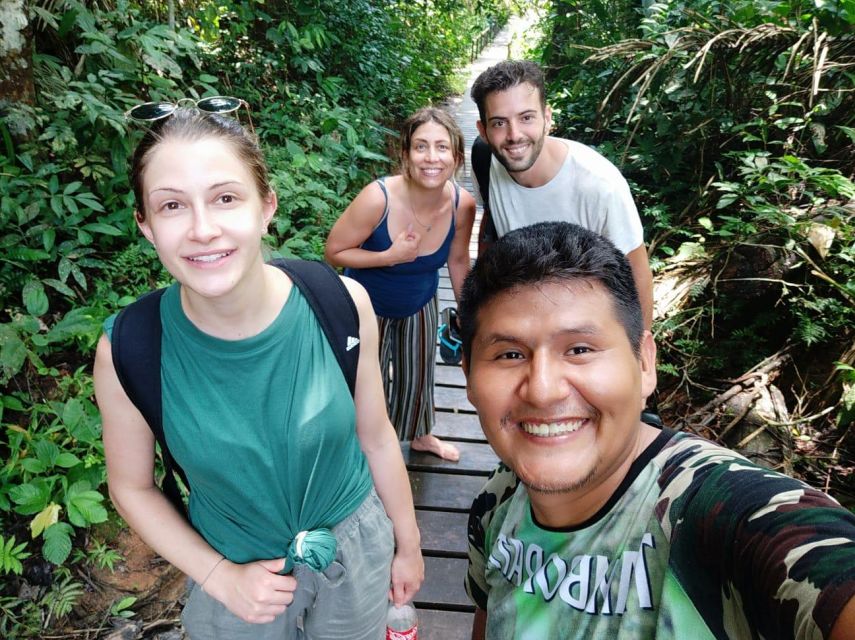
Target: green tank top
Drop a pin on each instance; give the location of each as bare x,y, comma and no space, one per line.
265,429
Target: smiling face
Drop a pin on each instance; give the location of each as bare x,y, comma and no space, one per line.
558,388
516,126
430,160
204,214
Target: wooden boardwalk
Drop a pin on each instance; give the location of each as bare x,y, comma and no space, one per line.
443,491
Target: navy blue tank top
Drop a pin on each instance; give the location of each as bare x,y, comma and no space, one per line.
403,289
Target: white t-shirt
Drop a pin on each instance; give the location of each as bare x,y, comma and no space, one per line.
588,190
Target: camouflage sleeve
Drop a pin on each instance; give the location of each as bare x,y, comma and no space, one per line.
499,487
754,547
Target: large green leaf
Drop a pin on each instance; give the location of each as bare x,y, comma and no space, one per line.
78,322
30,497
57,544
101,227
13,352
72,413
46,451
84,505
66,460
59,286
35,298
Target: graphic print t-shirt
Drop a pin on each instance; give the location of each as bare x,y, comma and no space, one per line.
697,543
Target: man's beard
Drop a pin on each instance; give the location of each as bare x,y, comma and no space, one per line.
518,166
557,487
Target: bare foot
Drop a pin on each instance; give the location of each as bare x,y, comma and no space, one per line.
437,447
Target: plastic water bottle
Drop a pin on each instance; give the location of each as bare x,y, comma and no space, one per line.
402,623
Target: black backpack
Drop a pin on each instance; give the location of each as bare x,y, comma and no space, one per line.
135,346
482,157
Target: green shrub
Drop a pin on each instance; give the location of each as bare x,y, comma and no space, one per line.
734,124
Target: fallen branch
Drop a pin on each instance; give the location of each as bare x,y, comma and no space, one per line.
761,373
162,622
741,415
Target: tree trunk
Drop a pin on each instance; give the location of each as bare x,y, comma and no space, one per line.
16,53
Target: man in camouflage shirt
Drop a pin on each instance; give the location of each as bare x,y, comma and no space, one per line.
597,525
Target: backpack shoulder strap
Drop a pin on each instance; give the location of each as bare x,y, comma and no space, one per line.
482,157
135,346
334,308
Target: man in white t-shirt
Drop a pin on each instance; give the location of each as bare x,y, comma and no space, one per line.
535,177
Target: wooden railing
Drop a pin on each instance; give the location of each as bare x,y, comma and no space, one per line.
484,37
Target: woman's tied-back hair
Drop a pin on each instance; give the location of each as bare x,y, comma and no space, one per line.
187,123
550,252
503,76
423,116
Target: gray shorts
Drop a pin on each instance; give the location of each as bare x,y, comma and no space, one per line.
348,601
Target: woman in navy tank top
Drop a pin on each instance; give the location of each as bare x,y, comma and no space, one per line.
394,238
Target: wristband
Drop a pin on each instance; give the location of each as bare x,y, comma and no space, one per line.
216,564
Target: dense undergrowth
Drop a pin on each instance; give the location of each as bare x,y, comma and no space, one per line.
325,80
735,124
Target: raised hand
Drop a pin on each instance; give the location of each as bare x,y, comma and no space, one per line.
405,247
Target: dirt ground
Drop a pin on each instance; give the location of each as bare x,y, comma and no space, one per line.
157,585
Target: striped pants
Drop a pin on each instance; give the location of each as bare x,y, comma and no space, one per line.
407,362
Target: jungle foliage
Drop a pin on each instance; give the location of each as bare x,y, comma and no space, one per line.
735,123
326,81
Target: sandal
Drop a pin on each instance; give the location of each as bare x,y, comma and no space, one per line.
450,345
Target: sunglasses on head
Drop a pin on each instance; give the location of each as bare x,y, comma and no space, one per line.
152,111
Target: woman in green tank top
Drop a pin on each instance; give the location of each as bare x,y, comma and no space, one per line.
255,410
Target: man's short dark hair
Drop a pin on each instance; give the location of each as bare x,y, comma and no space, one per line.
504,76
550,252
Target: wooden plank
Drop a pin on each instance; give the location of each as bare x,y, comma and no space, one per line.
458,426
475,459
443,585
444,625
444,490
446,298
443,533
452,399
449,375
